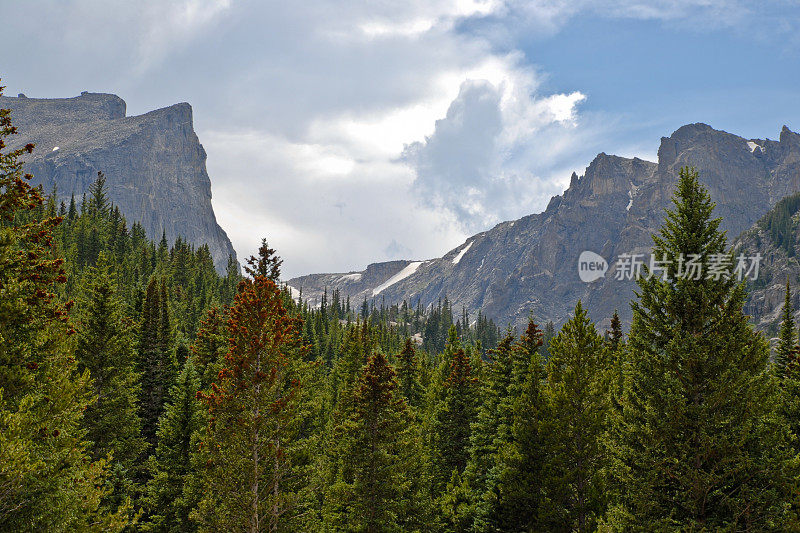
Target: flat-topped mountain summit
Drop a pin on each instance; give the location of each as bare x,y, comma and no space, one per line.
154,163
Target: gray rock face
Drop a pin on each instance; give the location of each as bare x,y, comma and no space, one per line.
357,285
154,164
779,264
530,266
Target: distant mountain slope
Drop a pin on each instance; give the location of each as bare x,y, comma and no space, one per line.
154,163
529,266
777,238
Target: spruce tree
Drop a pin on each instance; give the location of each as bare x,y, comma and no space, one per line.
507,499
699,445
378,487
210,346
106,348
98,199
614,335
514,495
787,337
155,357
255,416
408,375
491,413
452,420
577,406
266,264
47,479
616,350
171,493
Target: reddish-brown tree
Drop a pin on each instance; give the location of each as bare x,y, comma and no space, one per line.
253,416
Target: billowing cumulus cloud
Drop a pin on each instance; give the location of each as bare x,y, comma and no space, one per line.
343,132
479,163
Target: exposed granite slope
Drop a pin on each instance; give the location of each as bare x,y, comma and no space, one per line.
529,266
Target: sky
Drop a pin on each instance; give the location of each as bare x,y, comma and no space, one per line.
350,132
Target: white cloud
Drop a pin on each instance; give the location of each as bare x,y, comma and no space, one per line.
344,132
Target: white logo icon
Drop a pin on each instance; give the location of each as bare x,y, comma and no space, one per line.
591,266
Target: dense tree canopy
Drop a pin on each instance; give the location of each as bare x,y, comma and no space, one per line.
173,397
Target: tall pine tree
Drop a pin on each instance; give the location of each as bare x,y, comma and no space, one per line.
106,348
379,485
577,406
172,491
47,479
408,375
787,337
699,445
255,415
155,356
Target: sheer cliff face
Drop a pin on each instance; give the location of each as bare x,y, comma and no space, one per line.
530,265
154,164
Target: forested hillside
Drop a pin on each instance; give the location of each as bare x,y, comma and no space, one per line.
142,391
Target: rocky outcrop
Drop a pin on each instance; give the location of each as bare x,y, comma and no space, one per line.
154,164
529,266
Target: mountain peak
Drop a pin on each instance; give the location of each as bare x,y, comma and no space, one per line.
788,135
154,163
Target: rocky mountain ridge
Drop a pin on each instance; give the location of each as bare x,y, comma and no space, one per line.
154,163
529,266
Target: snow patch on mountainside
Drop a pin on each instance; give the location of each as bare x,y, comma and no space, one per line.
753,145
400,276
294,292
355,276
631,194
457,258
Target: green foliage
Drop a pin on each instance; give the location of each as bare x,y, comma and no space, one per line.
171,492
156,359
578,405
106,349
252,438
47,479
378,486
408,374
452,417
699,445
501,463
780,224
290,415
787,337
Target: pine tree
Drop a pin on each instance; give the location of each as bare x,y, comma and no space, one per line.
577,417
105,347
266,264
699,444
209,348
787,337
98,199
507,499
513,499
408,374
73,211
615,333
484,437
547,335
155,357
452,420
171,495
616,349
47,481
378,486
254,410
